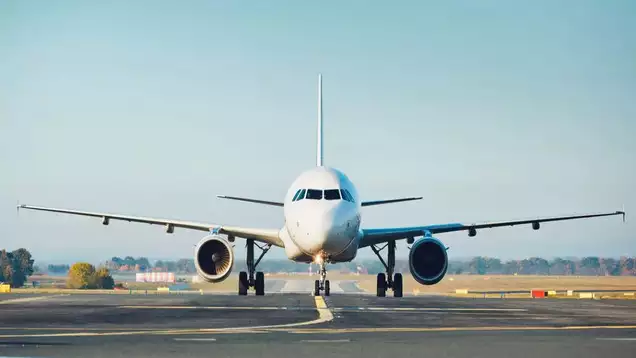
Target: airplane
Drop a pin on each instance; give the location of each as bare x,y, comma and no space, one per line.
322,224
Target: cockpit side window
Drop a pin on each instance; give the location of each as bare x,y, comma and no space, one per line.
297,195
314,194
332,194
302,194
346,195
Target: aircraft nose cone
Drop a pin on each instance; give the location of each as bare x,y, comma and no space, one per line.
329,231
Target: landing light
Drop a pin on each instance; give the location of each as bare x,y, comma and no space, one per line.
318,259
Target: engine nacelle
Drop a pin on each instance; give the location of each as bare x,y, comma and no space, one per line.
214,258
428,261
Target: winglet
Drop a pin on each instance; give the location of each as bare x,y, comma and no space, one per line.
623,212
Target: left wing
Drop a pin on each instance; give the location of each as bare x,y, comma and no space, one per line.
268,236
388,201
377,236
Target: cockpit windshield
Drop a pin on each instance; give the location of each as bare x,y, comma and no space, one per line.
314,194
332,194
327,194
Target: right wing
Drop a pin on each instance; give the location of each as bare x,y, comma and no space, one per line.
268,236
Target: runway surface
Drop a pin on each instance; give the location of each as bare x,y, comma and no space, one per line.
342,325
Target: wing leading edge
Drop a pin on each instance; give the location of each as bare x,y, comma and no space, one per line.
377,236
389,201
268,236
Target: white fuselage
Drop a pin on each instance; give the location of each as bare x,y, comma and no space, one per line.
323,223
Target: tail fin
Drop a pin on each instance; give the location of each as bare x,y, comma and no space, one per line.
319,148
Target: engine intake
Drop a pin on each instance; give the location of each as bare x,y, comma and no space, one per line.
213,258
428,261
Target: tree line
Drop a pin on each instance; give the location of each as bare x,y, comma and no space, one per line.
58,268
15,267
128,263
586,266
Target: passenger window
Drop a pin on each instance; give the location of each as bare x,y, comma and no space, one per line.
332,194
297,195
302,195
314,194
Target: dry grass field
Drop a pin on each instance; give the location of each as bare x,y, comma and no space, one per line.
452,282
367,282
512,283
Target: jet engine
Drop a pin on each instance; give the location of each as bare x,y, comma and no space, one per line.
213,258
428,261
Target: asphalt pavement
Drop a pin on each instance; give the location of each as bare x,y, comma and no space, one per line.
341,325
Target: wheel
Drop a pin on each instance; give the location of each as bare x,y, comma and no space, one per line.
397,285
316,288
243,283
381,285
260,284
327,288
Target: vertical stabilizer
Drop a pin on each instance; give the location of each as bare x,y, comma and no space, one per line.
319,148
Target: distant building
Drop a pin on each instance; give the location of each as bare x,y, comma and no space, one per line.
155,277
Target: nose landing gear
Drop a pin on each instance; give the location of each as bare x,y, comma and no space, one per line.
251,278
388,280
322,284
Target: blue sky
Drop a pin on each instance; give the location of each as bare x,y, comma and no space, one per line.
489,110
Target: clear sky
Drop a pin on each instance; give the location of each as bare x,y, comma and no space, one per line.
491,110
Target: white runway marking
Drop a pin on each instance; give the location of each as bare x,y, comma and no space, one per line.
28,299
196,339
617,339
325,340
303,286
207,308
438,309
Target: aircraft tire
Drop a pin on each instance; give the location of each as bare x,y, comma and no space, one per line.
381,285
316,288
327,288
243,283
398,285
260,284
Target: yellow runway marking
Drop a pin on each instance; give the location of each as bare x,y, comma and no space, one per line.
320,302
324,315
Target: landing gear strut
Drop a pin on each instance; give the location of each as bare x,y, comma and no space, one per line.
388,280
251,278
323,283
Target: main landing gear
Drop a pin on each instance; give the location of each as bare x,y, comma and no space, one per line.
249,279
323,283
388,280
